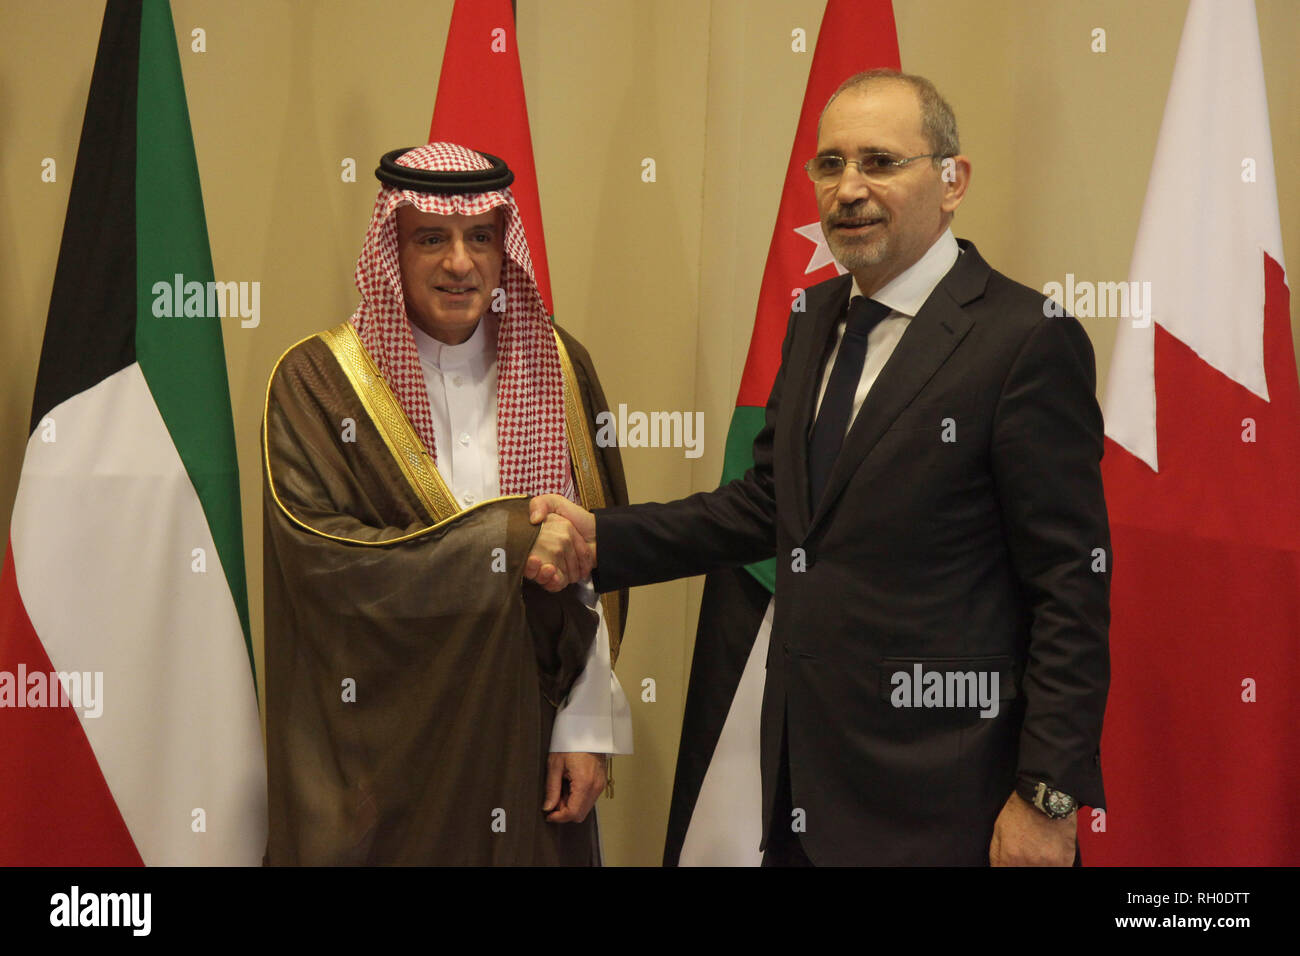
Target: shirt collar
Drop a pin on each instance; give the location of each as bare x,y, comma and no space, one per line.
907,291
440,355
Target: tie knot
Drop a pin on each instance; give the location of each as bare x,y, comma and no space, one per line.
864,315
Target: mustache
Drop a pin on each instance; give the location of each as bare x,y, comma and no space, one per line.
855,212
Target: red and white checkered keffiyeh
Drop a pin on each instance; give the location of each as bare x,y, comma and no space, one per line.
532,450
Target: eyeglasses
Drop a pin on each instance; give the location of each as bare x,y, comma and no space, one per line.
875,167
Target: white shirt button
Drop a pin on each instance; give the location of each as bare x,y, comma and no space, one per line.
457,380
464,438
468,497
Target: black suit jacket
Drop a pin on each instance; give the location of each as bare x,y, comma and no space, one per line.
963,528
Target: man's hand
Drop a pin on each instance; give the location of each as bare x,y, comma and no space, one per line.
585,778
560,555
545,505
1023,836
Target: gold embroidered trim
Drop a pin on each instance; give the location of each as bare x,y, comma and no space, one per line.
583,452
575,429
275,496
428,484
386,412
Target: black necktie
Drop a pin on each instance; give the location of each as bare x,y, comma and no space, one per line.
837,403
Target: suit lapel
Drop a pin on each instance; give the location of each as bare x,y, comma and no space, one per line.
805,368
931,337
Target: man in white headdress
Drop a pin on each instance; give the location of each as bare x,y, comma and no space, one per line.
439,678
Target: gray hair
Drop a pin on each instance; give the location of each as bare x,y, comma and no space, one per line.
937,120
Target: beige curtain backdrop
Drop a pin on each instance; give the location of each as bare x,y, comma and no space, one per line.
660,279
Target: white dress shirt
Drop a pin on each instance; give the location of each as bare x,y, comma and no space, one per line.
461,381
904,294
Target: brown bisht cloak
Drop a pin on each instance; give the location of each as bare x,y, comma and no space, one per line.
412,674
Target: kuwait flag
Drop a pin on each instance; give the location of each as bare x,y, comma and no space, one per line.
716,813
125,572
482,32
1201,749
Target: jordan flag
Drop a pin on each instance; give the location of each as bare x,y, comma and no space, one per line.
1201,749
716,813
129,730
480,65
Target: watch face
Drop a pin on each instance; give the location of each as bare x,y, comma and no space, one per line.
1058,804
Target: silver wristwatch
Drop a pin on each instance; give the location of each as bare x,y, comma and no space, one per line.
1055,803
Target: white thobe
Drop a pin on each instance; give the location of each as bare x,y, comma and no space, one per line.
461,381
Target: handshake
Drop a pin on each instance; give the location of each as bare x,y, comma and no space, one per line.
565,549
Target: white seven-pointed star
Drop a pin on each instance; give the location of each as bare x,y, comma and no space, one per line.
822,254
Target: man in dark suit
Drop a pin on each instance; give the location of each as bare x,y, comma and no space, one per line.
929,480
